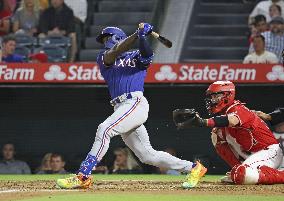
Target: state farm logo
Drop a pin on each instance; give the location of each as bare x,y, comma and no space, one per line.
166,73
276,74
54,73
73,73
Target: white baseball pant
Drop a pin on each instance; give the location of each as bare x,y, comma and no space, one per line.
127,121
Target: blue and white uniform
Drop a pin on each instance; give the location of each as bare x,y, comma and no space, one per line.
125,81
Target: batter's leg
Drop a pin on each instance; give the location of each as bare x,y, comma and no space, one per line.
126,117
138,141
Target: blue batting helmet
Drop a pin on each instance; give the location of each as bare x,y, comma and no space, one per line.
116,35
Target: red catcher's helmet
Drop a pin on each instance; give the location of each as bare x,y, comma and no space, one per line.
215,105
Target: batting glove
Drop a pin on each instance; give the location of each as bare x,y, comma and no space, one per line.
147,29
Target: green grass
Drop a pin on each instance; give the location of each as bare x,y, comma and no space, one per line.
156,197
105,177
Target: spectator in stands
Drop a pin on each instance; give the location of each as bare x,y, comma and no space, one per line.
26,18
260,23
259,26
8,51
274,39
44,4
5,14
260,55
57,164
125,162
9,165
167,171
102,169
59,20
40,57
262,8
45,164
80,8
11,5
275,11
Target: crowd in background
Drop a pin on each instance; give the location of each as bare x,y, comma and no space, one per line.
53,163
266,23
66,18
43,18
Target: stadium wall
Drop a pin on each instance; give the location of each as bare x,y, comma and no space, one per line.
64,119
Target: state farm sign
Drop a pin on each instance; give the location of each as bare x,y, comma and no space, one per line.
157,73
205,73
223,73
19,74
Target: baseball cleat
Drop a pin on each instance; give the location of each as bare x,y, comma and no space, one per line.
76,181
227,178
194,176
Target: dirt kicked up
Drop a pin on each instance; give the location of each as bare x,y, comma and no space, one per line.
11,190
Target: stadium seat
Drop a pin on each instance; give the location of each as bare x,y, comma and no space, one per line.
89,55
91,43
125,6
217,32
59,41
23,51
25,40
96,29
108,18
55,53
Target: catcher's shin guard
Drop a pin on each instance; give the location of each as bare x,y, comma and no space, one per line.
269,175
225,152
244,174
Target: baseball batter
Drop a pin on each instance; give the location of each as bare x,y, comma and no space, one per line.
124,72
240,137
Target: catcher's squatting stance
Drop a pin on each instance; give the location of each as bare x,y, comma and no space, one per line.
124,72
240,137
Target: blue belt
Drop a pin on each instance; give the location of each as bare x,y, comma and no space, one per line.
121,99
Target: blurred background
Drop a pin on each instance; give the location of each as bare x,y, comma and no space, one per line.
48,127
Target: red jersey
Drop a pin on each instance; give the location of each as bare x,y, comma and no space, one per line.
251,134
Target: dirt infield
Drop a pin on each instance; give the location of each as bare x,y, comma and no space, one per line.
19,189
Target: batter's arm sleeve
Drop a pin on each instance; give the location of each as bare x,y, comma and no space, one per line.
123,46
146,54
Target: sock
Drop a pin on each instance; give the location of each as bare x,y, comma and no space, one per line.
87,165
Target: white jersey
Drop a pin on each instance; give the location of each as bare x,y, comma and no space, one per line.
265,58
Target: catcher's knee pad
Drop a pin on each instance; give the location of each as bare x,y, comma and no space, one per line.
244,174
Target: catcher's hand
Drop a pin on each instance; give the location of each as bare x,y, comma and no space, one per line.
187,118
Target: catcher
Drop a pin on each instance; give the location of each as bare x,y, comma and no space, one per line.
240,137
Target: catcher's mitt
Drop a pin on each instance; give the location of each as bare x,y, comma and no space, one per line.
187,118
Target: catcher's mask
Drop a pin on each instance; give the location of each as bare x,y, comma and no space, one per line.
219,96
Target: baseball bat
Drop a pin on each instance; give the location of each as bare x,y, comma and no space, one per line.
166,42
